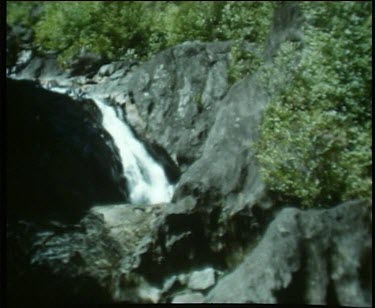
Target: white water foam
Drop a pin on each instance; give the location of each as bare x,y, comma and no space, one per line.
146,179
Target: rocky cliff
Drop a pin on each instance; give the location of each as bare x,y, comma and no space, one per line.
221,239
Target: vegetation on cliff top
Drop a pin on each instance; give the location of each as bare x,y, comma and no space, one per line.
316,141
117,29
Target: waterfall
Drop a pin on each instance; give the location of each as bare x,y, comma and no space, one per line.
146,179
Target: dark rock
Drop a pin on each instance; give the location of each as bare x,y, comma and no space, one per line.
161,156
24,34
101,253
65,264
19,39
31,69
109,69
311,257
12,48
87,64
51,69
60,159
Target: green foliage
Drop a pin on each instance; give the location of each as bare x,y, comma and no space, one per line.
21,13
111,29
315,145
117,29
243,61
191,20
245,20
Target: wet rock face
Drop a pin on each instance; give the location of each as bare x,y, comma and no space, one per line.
60,160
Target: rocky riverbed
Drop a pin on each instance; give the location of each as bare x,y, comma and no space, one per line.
221,239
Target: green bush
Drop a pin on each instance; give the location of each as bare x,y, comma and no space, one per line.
315,144
141,28
243,61
110,29
22,13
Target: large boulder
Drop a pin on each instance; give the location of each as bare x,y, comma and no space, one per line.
178,92
86,63
92,262
60,160
313,257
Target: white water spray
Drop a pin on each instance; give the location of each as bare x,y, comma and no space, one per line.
147,182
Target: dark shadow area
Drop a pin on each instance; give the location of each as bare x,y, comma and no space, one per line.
60,161
295,292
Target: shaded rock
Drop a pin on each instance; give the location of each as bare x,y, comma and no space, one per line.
183,279
169,283
101,253
23,35
109,69
51,69
32,69
202,280
24,57
64,263
87,64
194,297
171,169
59,155
312,256
12,48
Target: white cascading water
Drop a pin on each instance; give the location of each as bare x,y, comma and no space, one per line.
147,182
146,179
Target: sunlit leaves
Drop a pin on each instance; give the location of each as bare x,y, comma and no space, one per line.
315,145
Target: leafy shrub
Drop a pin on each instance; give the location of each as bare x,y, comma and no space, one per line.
315,145
244,22
243,60
107,28
22,13
141,28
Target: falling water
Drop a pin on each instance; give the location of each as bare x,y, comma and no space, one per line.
147,182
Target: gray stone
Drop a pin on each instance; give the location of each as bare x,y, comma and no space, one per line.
32,70
173,92
183,278
194,297
313,256
24,57
202,280
169,283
